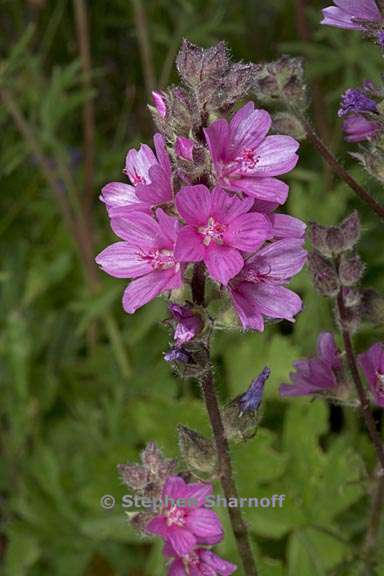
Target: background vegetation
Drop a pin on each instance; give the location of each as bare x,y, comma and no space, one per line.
84,386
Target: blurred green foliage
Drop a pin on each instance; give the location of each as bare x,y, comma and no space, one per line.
83,386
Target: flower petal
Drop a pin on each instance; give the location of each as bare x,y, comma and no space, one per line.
222,567
189,245
276,156
194,204
159,191
118,194
144,289
217,135
123,261
138,229
138,163
249,316
266,189
198,492
177,568
223,262
158,525
225,208
284,226
174,487
205,524
280,260
276,301
250,131
248,232
181,539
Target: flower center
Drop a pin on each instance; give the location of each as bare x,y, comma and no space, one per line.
137,179
175,517
160,259
212,231
248,159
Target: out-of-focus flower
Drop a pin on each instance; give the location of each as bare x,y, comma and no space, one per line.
185,526
359,109
258,290
316,375
146,255
351,14
218,228
200,562
357,128
246,159
372,363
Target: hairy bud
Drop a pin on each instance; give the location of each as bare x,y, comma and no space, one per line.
351,230
135,476
197,451
351,269
335,240
281,80
324,274
287,123
196,64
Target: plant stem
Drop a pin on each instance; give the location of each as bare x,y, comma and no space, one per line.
364,402
239,526
330,158
375,521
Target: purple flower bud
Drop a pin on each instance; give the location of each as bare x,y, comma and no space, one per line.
184,147
134,475
159,102
351,229
355,101
372,363
324,274
196,64
251,399
351,269
188,324
335,240
176,354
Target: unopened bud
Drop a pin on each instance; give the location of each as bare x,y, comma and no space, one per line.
287,123
178,354
152,457
196,64
351,230
351,296
351,269
281,80
335,240
160,103
241,416
324,274
197,451
135,476
372,307
317,235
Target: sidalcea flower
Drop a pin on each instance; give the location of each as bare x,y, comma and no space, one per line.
258,290
146,255
351,14
188,324
151,178
246,159
318,374
218,227
372,363
183,521
199,562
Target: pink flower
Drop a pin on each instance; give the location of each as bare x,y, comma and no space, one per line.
258,290
218,228
246,160
372,362
185,524
199,562
151,179
146,254
348,14
316,375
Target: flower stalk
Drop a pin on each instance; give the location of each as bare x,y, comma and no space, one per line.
238,524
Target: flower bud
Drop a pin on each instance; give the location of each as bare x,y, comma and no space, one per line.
197,451
160,103
241,416
351,230
188,324
152,457
178,354
196,64
351,269
135,476
335,240
351,296
324,274
317,235
281,80
287,123
372,307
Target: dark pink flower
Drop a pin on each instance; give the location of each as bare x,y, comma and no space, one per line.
184,521
316,375
218,228
151,178
246,159
349,13
199,562
258,290
372,362
146,254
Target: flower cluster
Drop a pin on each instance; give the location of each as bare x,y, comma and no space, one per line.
187,528
228,222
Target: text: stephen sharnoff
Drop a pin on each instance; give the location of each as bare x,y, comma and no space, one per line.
275,501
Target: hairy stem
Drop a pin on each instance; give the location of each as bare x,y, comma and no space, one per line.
370,544
364,402
238,524
330,158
